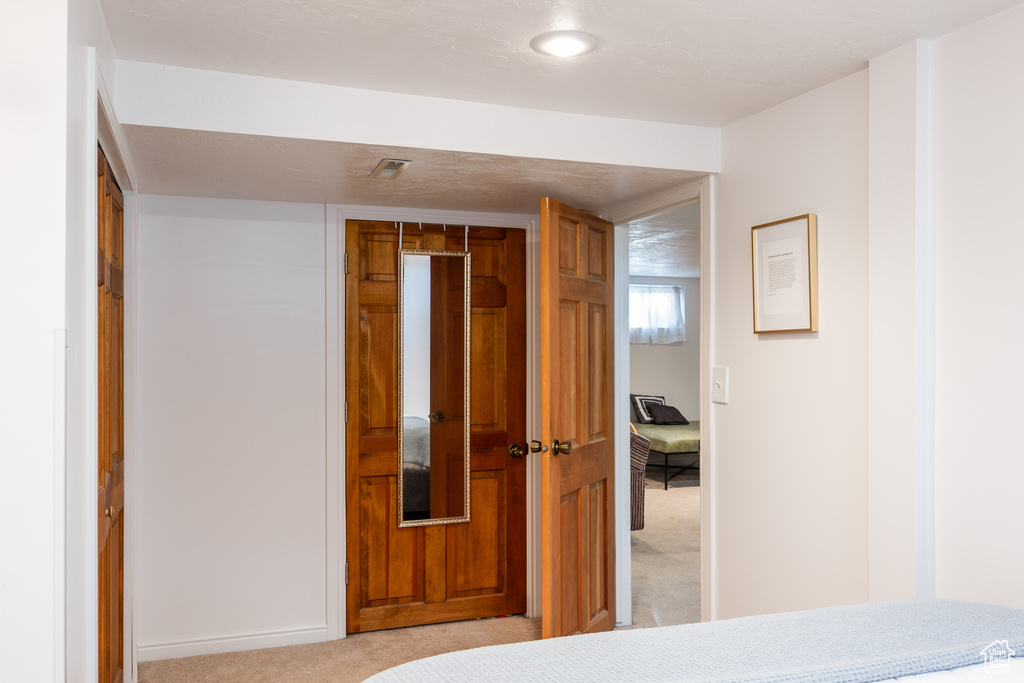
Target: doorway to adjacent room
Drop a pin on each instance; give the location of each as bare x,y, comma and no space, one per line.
665,409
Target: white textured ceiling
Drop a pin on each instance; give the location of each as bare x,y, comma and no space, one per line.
666,245
208,164
703,62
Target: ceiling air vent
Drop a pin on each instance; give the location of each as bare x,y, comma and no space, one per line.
387,169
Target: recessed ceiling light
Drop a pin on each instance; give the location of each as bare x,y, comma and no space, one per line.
564,43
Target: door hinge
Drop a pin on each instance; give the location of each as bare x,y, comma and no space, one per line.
346,263
346,412
346,573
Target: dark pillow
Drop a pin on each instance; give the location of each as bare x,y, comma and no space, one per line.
640,403
667,415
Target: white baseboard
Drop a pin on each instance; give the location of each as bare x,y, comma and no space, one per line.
173,648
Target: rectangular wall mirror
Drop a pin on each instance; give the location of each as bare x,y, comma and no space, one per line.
433,387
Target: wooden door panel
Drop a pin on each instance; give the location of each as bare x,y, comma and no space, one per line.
116,497
487,394
568,408
488,256
576,406
383,294
103,235
435,569
115,599
597,362
567,585
421,575
378,395
378,460
116,374
457,485
597,534
102,521
419,613
456,388
389,552
596,254
568,252
378,259
476,550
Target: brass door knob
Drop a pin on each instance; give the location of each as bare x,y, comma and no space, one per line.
537,447
436,417
515,450
559,447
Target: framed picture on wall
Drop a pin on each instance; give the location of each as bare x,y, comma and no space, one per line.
785,268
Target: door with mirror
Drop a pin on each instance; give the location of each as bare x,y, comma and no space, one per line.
436,395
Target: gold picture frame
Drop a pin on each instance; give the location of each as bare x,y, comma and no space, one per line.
784,263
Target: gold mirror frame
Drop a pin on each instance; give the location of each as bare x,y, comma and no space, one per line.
402,522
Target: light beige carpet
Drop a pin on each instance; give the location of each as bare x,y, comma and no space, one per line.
666,554
666,591
349,660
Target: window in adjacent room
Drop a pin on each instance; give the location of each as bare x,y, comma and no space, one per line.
656,314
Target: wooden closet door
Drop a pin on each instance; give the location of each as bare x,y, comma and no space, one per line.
110,499
420,575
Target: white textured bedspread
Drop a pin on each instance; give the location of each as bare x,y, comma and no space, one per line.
870,642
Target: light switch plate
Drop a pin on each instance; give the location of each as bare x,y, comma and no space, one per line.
720,385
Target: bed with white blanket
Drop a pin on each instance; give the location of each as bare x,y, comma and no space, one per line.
925,641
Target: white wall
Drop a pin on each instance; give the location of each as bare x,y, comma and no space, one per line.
194,99
671,370
33,110
790,447
900,330
231,434
978,151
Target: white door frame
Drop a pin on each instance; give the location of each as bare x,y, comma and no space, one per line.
701,190
76,569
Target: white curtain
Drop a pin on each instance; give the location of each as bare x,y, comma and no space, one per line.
656,314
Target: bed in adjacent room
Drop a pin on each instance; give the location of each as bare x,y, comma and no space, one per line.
923,641
670,434
672,440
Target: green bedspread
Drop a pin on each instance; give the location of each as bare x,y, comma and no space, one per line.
672,438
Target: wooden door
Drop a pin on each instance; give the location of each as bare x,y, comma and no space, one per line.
577,489
110,280
428,574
